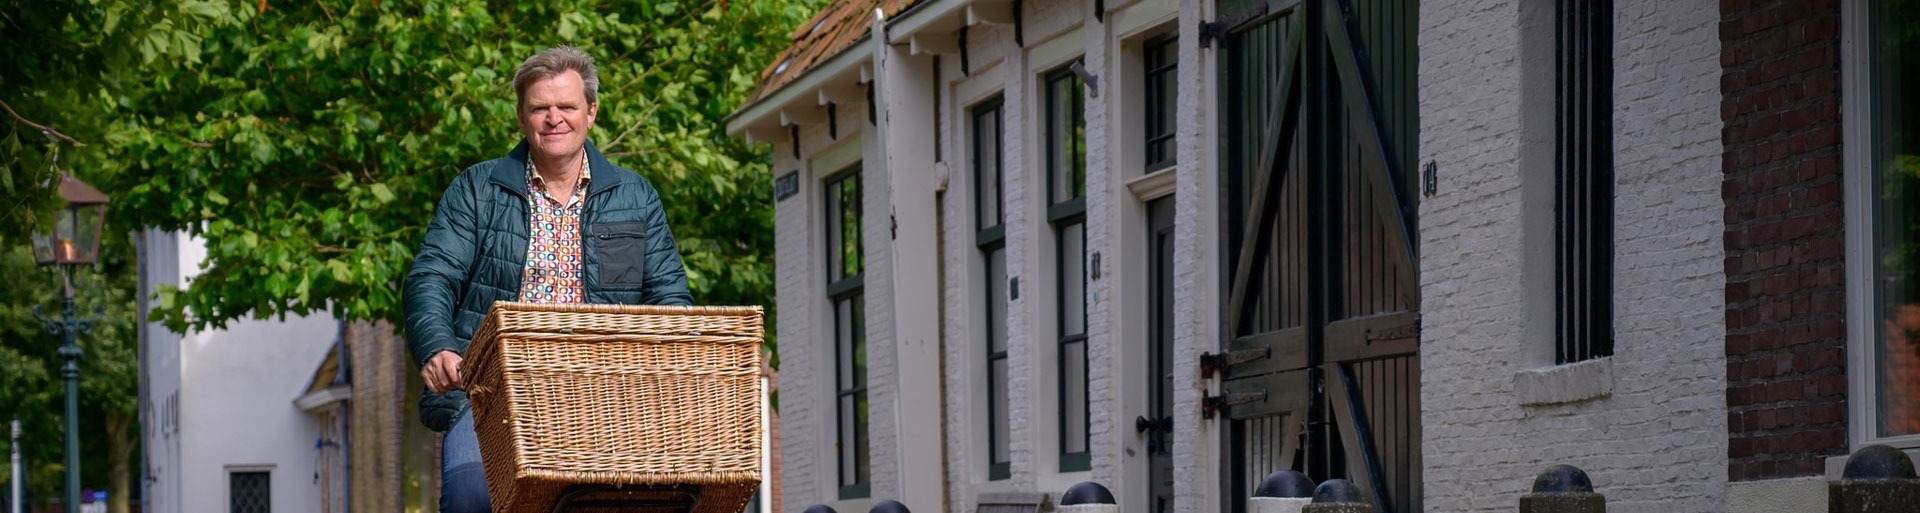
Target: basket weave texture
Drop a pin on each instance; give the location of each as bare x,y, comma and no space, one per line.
568,394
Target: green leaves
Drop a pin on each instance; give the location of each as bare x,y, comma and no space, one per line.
309,144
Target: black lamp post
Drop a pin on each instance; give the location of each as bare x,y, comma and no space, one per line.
74,242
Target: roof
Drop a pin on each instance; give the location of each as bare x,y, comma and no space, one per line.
328,374
835,28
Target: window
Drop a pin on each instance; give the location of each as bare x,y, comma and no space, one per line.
248,492
990,236
1161,62
1583,180
1066,153
844,292
1892,61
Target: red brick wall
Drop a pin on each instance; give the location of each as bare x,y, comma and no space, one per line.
1786,336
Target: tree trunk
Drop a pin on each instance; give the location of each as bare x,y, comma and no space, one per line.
120,448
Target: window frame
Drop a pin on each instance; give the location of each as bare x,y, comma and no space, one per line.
1859,145
848,285
1063,214
990,234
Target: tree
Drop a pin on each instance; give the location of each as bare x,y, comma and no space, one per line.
310,143
65,60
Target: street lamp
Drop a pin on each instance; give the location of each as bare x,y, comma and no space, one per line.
74,242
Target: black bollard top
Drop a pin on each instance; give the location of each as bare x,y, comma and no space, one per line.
889,506
1087,492
820,508
1563,479
1878,462
1336,491
1285,484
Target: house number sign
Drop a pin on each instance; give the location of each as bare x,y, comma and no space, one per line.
786,186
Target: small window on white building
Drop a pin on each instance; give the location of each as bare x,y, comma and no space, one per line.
846,292
990,236
1066,167
249,492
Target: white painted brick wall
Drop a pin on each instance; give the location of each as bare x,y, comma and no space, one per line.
882,354
1021,264
1196,268
1102,219
1658,442
803,425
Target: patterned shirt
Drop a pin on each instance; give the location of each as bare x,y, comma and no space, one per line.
553,242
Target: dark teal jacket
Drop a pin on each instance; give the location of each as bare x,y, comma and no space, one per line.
476,249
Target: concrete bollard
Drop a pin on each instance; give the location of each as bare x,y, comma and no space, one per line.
889,506
1878,479
1563,489
1338,496
1283,491
1088,497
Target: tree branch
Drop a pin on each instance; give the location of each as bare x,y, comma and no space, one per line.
42,128
645,116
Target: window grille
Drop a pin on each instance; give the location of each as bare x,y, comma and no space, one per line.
1583,184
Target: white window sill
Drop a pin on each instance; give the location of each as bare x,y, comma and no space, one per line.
1560,384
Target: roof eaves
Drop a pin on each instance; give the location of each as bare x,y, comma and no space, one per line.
810,80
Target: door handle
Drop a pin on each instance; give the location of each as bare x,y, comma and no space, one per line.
1143,425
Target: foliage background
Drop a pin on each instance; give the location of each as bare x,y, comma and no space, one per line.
306,143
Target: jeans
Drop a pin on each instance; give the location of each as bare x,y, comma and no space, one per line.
463,484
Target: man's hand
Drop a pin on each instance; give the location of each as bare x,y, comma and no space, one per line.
442,372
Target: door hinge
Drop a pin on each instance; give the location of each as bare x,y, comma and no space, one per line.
1210,31
1211,363
1226,401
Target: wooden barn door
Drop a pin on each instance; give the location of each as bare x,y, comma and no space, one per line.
1320,366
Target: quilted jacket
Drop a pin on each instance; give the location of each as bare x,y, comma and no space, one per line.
476,248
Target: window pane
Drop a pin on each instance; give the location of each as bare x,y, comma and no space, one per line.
849,445
1073,386
1077,134
850,225
1896,147
249,492
1066,138
834,231
996,300
1160,66
997,385
861,454
859,337
843,343
986,165
1073,279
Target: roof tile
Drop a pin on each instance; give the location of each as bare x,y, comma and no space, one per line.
832,30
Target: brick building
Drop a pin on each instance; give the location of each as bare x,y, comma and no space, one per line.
1433,247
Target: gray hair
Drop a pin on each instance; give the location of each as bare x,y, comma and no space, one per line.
552,63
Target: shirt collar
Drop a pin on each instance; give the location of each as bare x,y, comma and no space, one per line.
535,182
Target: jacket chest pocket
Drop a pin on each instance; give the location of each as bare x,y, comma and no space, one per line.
621,251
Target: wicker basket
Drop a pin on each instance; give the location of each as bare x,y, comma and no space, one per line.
665,397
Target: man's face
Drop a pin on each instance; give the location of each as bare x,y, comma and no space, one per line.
555,115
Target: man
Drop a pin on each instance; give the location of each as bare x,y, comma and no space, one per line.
551,222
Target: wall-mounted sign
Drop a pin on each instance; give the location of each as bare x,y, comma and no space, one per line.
786,186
